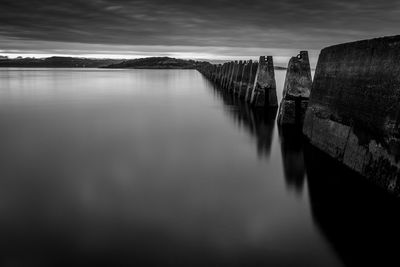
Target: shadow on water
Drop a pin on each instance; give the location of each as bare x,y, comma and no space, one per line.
292,146
358,220
259,123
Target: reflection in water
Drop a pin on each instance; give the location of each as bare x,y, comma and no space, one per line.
292,142
133,168
259,123
142,168
358,219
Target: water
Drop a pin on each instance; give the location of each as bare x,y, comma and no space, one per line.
159,168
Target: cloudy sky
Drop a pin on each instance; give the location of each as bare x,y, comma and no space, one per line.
217,29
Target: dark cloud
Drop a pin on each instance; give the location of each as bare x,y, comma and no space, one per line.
291,24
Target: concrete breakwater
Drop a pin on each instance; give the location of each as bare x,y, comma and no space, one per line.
296,91
351,111
354,109
254,82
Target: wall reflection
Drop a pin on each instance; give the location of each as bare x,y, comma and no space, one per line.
292,145
259,123
359,220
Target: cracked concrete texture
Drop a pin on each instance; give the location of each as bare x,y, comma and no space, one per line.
354,108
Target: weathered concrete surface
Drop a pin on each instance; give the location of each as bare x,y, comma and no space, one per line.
225,74
219,75
228,66
354,109
252,79
215,74
208,70
296,91
245,79
229,75
233,77
264,92
238,78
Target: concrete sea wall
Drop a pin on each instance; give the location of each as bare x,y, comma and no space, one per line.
254,82
351,111
354,109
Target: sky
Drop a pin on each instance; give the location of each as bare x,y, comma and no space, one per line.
202,29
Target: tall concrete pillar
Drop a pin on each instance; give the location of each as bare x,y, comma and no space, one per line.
210,71
215,73
221,77
231,70
250,86
228,78
225,75
296,91
252,79
264,92
245,79
219,74
233,77
238,79
224,67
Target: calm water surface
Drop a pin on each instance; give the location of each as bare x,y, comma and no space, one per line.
159,168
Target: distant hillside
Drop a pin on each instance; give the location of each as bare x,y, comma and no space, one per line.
56,62
155,63
74,62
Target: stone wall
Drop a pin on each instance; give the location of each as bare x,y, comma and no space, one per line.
354,109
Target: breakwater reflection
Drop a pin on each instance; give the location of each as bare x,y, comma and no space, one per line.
260,124
358,220
143,168
292,148
158,168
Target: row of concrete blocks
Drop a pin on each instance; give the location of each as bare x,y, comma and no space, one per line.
253,82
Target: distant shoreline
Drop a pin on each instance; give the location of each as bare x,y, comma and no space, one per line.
88,63
136,68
